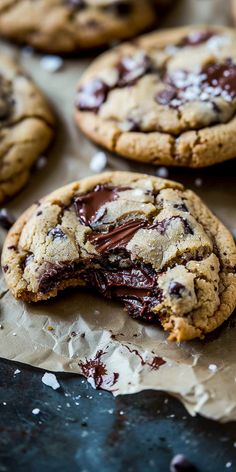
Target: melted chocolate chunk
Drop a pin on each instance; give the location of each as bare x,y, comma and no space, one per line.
177,289
130,69
180,463
196,38
117,237
135,287
213,81
92,95
221,75
55,273
56,233
87,205
6,219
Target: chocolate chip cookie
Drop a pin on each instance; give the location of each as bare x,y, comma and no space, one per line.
25,127
143,241
169,98
68,25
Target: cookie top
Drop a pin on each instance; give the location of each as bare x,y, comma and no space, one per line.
25,126
168,98
68,25
142,240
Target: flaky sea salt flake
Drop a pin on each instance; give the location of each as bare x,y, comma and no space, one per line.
213,367
162,172
17,371
98,162
51,63
50,380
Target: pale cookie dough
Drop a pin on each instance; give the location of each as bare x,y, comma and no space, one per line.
68,25
142,240
167,98
26,127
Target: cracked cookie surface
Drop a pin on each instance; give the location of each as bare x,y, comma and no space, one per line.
168,98
144,241
68,25
26,127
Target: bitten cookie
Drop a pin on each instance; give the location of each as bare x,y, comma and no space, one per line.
141,240
25,127
168,98
68,25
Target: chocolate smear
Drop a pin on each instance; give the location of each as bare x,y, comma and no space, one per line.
95,371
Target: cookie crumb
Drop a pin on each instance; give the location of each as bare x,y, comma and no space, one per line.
50,328
50,380
98,162
213,367
51,63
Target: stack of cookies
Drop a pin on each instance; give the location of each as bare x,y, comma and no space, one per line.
166,98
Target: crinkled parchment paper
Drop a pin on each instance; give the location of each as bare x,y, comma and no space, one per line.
81,333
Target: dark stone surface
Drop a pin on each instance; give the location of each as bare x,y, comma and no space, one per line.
138,433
